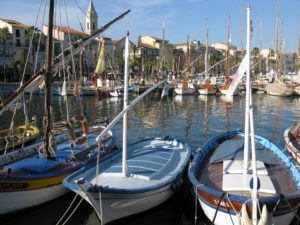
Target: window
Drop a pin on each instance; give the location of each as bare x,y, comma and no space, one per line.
88,25
17,33
18,42
93,26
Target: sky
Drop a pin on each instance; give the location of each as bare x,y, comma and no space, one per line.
181,19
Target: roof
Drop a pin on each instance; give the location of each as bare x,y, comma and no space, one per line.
14,23
67,29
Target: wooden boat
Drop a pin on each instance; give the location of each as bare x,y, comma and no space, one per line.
184,89
220,189
233,190
207,89
278,88
33,179
144,175
292,141
33,175
18,136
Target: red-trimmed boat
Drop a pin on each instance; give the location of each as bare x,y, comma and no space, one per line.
231,188
292,141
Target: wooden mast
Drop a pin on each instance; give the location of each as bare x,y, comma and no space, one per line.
228,52
48,80
206,52
276,38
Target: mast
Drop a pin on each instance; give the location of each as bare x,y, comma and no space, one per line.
228,52
124,155
249,121
241,24
188,57
81,68
276,38
206,51
48,80
260,44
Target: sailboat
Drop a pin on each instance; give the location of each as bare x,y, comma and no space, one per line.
207,88
185,87
232,189
144,175
33,175
278,87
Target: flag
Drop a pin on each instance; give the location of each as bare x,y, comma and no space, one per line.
101,59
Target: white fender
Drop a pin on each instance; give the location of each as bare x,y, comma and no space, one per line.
264,216
245,218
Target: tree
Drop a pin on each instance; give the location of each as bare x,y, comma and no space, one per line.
134,48
4,36
255,51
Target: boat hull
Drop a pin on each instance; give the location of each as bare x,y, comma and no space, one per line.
292,145
232,219
18,200
184,91
119,205
206,91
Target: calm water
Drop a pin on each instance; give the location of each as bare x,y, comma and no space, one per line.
193,119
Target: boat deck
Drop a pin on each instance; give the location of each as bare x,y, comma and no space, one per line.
149,163
212,176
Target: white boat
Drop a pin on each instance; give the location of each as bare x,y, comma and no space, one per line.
117,92
278,88
207,90
144,175
231,188
185,88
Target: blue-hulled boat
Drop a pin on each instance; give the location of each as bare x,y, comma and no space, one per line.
144,175
231,188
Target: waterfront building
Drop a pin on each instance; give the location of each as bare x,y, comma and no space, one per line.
164,47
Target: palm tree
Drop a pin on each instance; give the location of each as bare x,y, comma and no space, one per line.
134,48
4,36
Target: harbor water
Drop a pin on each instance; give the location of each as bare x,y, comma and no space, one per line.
193,119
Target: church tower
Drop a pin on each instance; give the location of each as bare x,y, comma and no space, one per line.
91,23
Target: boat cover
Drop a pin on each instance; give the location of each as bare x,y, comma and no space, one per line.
234,149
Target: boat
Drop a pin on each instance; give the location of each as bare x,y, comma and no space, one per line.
278,88
33,175
144,175
292,141
185,88
117,92
232,189
18,136
207,88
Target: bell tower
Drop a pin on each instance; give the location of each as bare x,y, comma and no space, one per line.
91,23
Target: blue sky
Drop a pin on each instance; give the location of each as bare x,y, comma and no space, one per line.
181,18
